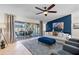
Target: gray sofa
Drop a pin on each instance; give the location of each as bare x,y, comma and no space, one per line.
69,50
72,43
70,47
74,40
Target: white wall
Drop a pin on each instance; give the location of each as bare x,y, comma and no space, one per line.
75,19
24,19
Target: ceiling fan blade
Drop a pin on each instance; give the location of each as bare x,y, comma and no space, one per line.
52,11
50,6
39,8
39,13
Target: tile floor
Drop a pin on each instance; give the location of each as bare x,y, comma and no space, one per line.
15,49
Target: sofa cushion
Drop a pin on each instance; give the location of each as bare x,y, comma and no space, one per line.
71,49
47,40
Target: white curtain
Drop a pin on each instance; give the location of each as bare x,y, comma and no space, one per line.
9,31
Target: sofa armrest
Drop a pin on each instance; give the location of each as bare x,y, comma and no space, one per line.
72,43
74,40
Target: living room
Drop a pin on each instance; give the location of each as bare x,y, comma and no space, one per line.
21,25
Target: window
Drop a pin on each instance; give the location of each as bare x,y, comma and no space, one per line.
25,29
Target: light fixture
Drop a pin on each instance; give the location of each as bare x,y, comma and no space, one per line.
45,13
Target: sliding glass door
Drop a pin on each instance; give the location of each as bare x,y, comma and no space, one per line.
26,29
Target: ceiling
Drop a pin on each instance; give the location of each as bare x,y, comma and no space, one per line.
29,11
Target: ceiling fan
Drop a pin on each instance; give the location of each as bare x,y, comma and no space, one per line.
46,10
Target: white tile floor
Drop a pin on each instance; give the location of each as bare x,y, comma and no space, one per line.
15,49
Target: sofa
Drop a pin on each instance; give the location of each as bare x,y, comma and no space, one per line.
72,43
71,47
74,40
69,50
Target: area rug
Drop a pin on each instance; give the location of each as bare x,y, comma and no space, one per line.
38,48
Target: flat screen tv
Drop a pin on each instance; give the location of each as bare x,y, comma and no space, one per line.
58,26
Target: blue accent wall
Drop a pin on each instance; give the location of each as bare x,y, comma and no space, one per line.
67,24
